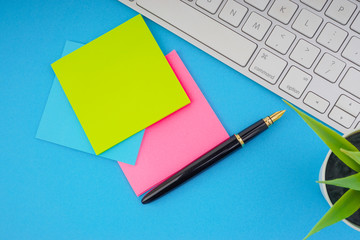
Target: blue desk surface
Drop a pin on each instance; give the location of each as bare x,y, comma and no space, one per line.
264,191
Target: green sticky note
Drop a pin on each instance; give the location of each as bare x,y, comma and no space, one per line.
119,84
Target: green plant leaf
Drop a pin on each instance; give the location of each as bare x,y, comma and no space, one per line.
352,182
333,140
354,155
343,208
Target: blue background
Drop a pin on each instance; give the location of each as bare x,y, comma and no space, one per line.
264,191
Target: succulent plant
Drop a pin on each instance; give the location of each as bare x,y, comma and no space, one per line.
349,203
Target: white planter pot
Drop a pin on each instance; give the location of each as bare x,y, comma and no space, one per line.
323,186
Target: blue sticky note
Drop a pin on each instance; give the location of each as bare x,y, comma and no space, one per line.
60,125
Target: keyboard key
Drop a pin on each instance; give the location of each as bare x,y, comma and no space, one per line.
256,26
341,117
259,4
348,105
304,53
214,36
351,82
356,24
280,39
316,102
307,23
352,50
329,67
295,82
209,5
268,66
332,37
233,13
283,10
315,4
340,10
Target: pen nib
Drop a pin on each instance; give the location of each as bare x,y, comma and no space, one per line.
273,118
276,116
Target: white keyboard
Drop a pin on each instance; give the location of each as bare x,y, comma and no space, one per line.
307,52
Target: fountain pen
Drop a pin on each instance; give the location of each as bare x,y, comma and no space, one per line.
214,155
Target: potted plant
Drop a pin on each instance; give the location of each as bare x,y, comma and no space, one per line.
339,175
332,169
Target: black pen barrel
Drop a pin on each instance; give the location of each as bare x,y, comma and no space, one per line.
209,158
252,131
198,165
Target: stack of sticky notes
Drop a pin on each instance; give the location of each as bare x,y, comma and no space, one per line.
108,91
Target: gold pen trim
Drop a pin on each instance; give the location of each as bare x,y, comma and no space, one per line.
239,139
268,121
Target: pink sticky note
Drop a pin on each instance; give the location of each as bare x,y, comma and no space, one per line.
176,140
